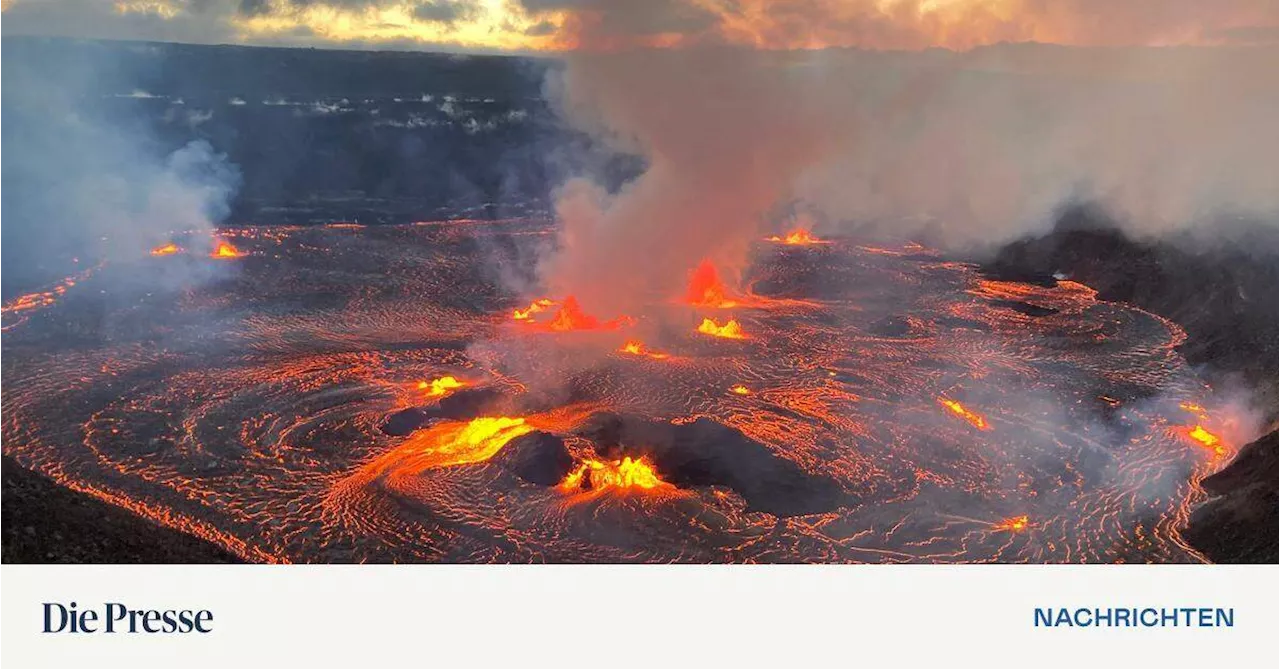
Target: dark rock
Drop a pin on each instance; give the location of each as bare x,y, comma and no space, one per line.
44,522
1255,463
1239,524
706,453
402,423
537,457
473,403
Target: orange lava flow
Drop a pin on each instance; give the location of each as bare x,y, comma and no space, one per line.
462,442
797,237
625,474
740,390
37,300
440,386
1014,524
976,420
224,249
17,310
537,306
706,290
166,250
451,443
1194,408
1207,439
730,330
633,347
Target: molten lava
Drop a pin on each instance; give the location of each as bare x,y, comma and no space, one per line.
1014,524
440,386
571,317
706,290
568,317
463,442
224,249
976,420
740,390
730,330
633,347
1207,439
537,306
1191,407
626,474
166,250
451,443
797,237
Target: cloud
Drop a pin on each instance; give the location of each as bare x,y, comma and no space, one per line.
375,24
254,7
446,11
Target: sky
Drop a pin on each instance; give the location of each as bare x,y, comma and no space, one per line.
613,25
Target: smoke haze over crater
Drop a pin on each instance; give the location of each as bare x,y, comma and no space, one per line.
88,183
964,149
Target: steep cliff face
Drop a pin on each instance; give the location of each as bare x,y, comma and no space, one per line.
1239,522
1225,295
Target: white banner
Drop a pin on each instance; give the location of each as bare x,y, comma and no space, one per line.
232,617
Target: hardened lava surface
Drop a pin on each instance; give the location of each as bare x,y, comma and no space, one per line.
880,405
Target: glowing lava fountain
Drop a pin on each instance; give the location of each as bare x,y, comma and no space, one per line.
440,386
730,330
633,347
706,289
624,474
225,250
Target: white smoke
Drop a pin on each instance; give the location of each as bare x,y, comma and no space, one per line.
971,148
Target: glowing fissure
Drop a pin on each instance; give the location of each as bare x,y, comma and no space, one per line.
974,419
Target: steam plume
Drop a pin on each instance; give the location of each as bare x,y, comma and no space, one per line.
973,148
84,179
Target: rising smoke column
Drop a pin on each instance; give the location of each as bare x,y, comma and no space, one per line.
970,148
721,137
